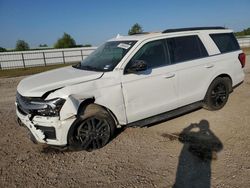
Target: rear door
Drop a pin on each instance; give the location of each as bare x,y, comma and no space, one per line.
193,69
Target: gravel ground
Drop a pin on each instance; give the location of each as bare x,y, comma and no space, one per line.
199,149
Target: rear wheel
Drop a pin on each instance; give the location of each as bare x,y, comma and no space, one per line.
92,130
217,94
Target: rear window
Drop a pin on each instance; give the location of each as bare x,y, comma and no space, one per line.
226,42
186,48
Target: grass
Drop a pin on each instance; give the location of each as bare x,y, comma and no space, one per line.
28,71
246,50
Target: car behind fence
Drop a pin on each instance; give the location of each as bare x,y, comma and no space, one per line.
12,60
23,59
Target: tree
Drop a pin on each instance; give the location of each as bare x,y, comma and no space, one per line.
21,45
43,45
65,42
86,45
136,28
2,49
244,32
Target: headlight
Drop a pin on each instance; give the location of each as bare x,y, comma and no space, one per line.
50,107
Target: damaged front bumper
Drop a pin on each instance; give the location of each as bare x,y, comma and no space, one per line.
49,130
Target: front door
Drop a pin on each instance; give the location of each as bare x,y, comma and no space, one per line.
153,91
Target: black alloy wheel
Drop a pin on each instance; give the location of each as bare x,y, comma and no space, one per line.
93,129
93,133
217,94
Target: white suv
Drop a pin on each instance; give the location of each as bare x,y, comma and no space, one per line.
131,80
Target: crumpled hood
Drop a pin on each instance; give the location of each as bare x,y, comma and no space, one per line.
37,85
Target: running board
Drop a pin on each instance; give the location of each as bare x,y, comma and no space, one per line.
166,115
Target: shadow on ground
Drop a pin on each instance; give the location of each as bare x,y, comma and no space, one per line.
200,146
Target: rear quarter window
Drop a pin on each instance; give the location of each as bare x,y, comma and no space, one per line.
226,42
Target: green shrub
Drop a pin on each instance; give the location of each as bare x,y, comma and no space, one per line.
21,45
65,42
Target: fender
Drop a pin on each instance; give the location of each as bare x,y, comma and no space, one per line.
71,106
217,74
75,103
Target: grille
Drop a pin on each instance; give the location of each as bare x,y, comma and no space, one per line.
26,105
22,103
22,99
22,111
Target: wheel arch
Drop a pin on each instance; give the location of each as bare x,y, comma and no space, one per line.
89,101
221,75
70,141
224,75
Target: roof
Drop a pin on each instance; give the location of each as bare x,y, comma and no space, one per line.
168,32
192,29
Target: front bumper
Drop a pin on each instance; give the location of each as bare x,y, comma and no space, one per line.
49,130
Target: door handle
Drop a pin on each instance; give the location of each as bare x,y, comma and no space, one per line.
170,75
209,66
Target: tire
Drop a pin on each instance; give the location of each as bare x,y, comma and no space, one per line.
93,129
217,94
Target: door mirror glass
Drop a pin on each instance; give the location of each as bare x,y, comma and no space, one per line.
136,66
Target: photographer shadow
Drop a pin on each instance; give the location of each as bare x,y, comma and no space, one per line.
199,149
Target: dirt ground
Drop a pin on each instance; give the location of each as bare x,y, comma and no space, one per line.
213,151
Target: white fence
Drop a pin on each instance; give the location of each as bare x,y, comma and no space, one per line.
11,60
244,41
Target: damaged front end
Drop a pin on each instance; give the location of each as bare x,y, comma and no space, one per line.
38,106
42,118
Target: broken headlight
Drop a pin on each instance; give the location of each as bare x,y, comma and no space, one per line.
50,107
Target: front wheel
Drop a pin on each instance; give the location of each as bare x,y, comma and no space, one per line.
217,94
92,130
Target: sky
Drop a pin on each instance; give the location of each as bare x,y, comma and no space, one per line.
95,21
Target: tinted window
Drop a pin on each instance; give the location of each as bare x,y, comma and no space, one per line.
185,48
226,42
153,53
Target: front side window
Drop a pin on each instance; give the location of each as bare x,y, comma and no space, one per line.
226,42
152,53
106,57
185,48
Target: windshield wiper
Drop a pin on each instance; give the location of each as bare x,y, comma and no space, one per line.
88,67
77,66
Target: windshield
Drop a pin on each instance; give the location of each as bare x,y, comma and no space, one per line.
106,57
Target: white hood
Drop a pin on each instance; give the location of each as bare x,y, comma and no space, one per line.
37,85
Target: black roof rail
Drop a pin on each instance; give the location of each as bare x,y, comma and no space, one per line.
191,29
140,33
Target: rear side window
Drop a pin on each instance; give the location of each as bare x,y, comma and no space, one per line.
226,42
186,48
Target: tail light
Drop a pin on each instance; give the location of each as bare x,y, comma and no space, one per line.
242,58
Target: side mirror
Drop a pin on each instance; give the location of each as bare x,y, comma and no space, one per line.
136,66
